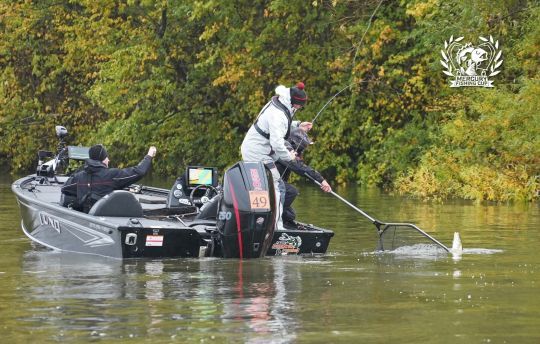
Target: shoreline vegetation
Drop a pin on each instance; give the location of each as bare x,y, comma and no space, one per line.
191,76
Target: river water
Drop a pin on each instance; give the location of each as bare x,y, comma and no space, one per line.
488,295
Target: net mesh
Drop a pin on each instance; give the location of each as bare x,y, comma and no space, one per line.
394,236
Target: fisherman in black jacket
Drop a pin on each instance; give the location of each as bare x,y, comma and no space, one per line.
298,141
96,180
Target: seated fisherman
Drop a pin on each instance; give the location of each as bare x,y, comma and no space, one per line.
96,180
298,141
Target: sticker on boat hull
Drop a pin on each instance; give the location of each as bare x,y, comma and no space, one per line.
154,240
287,244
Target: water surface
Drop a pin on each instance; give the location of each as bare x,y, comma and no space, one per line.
413,295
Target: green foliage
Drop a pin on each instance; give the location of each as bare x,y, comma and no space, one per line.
489,146
191,76
491,154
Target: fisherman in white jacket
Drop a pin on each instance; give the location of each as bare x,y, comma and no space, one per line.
265,140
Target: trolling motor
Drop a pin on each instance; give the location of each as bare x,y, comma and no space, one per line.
47,168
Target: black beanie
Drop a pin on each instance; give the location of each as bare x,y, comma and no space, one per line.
98,152
298,95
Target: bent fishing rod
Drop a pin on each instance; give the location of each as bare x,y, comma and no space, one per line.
371,18
317,115
329,101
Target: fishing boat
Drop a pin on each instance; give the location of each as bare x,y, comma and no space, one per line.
199,216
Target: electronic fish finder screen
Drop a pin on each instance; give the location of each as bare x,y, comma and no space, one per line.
201,176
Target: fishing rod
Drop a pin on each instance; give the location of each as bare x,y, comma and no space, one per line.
314,119
329,101
317,115
371,18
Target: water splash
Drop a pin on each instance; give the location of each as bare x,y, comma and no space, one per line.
429,250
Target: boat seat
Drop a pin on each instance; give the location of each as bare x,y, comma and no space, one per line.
118,203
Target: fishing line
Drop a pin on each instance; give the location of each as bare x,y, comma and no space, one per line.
330,100
365,32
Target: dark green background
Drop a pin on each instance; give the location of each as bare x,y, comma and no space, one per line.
191,76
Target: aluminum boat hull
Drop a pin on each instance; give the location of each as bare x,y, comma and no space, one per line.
49,224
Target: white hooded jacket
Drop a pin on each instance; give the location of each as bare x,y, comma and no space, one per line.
274,121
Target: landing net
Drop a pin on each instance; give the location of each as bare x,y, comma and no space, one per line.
395,235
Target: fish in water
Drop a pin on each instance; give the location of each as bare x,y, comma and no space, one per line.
457,247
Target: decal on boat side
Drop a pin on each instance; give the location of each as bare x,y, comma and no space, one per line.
90,235
98,227
259,200
224,215
154,240
255,179
287,244
47,219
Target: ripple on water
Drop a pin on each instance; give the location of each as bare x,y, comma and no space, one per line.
481,251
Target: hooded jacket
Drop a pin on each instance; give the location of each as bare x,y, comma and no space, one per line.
274,121
96,180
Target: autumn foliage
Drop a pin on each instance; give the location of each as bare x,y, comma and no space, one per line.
191,76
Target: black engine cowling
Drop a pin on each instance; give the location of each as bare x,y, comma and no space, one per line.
246,215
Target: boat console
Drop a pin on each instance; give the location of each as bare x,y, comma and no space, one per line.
195,187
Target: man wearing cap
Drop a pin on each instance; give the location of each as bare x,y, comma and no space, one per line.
298,141
265,140
96,180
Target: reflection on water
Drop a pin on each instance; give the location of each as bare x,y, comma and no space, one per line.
170,297
350,295
54,275
481,251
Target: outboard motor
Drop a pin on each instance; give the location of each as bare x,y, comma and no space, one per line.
246,216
